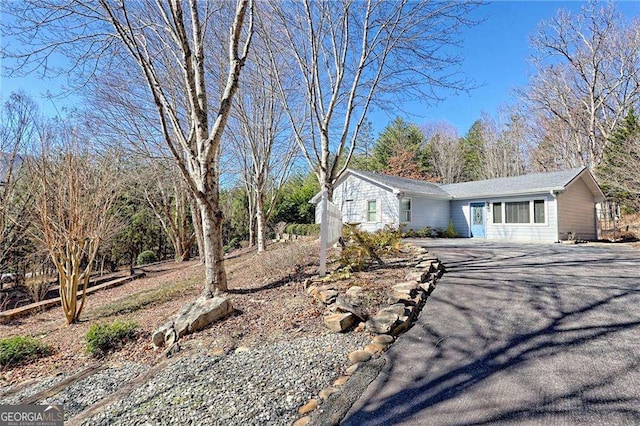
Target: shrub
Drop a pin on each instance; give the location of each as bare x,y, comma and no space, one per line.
303,229
365,247
426,232
19,349
102,338
450,232
147,256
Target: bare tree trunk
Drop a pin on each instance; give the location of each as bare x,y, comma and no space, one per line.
196,218
260,224
213,255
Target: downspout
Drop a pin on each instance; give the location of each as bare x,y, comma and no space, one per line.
554,194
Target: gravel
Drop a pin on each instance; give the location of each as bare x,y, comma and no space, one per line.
85,392
251,386
33,389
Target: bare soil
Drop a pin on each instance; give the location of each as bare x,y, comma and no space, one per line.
267,292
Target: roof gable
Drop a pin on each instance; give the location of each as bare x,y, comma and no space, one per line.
399,184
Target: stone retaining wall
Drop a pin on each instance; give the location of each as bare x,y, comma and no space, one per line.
405,302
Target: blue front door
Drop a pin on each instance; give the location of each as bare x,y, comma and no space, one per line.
477,220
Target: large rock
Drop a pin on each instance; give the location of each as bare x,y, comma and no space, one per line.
193,317
382,322
387,319
352,304
339,322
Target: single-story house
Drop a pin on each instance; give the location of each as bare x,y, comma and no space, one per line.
545,207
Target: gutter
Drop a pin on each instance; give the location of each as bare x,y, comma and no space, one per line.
510,194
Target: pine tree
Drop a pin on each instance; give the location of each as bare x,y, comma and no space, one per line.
618,171
472,148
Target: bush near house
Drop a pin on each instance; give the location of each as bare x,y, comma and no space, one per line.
102,338
303,229
364,247
19,349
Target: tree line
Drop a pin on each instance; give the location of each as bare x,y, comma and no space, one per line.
205,112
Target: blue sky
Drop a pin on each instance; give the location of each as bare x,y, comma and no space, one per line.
495,53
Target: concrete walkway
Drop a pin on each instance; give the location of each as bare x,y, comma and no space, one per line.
517,334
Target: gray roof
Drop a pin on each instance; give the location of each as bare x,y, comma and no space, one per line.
536,182
499,187
413,186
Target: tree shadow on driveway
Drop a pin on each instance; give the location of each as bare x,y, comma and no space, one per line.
496,345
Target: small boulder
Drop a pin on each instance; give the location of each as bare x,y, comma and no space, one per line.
350,304
404,322
408,287
352,369
417,276
383,339
312,291
382,322
355,291
359,356
162,334
325,393
302,421
308,407
375,349
339,322
327,296
340,381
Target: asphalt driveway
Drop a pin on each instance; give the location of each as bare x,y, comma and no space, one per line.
524,334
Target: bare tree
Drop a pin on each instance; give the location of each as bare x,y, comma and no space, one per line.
74,194
167,195
171,43
503,150
445,151
587,79
17,128
262,142
351,55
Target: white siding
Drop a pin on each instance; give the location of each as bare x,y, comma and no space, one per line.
428,212
576,211
546,232
359,192
460,217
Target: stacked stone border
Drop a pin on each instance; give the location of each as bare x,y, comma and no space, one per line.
405,302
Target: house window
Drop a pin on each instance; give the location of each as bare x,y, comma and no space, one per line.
538,211
372,211
497,212
405,210
517,212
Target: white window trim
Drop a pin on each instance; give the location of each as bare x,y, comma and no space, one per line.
410,209
377,211
531,213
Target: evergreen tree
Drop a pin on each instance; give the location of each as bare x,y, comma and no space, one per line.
618,171
400,143
472,145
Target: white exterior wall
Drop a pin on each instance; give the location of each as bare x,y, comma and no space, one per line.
361,191
460,217
576,211
542,232
428,212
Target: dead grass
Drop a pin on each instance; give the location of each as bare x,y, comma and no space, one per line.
141,299
270,301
